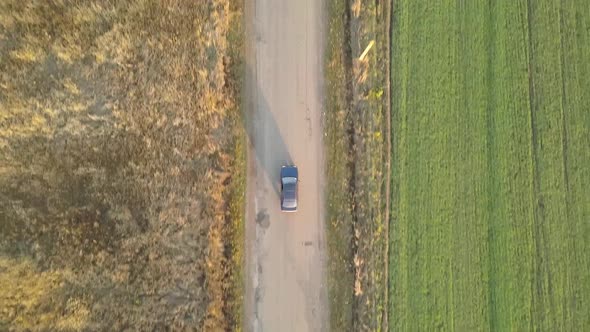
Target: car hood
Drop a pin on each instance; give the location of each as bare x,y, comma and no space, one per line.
289,171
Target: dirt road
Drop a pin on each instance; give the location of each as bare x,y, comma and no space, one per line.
285,287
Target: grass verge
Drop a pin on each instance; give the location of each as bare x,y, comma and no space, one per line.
356,158
235,232
237,187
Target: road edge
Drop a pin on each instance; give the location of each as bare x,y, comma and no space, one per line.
388,93
249,96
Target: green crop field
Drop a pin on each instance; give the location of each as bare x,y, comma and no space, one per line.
490,226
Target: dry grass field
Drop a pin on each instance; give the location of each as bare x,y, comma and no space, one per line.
119,146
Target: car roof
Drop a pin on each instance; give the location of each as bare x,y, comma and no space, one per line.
289,195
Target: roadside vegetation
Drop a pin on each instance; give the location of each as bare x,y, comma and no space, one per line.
357,157
490,187
121,165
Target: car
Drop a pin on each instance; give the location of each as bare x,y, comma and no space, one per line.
289,183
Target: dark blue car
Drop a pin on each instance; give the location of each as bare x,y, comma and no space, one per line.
289,182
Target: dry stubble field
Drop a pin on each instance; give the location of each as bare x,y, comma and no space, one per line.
119,142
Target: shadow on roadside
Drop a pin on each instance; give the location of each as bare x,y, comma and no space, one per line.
263,132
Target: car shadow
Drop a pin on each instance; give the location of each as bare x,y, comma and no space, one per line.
264,135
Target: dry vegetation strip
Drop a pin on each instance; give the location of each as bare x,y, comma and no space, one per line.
491,201
121,165
357,157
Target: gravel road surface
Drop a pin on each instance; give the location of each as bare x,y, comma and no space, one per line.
285,263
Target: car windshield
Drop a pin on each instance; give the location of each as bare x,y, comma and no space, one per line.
289,180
